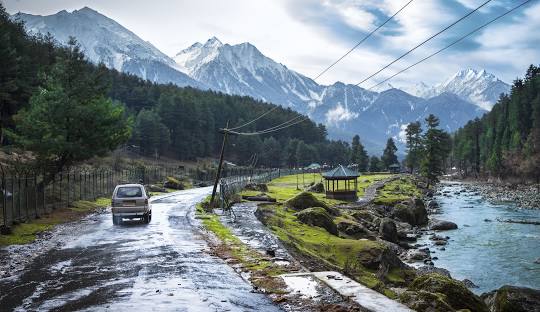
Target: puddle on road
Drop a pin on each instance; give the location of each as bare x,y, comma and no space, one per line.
304,285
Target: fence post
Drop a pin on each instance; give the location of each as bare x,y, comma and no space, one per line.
4,201
35,195
19,197
68,189
26,196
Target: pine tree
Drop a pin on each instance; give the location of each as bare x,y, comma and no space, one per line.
414,145
389,154
437,147
69,118
375,164
359,155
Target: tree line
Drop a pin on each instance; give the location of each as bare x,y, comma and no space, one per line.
505,142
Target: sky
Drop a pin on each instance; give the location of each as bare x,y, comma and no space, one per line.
308,35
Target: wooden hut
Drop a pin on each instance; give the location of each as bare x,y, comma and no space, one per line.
341,183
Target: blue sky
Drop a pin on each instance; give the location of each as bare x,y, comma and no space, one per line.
307,35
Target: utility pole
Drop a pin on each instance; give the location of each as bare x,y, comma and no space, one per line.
225,131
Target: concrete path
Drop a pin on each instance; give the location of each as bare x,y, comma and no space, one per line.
366,298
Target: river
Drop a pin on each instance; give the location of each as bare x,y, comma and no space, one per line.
483,250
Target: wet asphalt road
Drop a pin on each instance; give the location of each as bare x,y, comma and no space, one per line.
162,266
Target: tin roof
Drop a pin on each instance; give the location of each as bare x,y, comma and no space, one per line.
340,172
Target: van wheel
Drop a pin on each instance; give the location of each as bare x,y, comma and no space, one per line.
115,220
146,218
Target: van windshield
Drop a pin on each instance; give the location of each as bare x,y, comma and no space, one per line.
129,192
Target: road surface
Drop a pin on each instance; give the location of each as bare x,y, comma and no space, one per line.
162,266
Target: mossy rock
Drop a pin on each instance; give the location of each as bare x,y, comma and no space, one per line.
317,216
303,201
412,211
513,299
363,215
388,230
317,188
381,258
455,292
173,183
353,229
423,301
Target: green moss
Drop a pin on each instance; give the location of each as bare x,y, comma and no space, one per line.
249,259
24,233
456,293
397,190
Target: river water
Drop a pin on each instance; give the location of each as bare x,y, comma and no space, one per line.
483,250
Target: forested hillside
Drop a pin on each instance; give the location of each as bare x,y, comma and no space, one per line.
506,141
56,85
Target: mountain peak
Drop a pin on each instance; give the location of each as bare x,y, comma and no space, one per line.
213,42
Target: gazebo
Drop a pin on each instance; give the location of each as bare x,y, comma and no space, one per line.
341,183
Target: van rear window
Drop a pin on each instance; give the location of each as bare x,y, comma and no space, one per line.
128,192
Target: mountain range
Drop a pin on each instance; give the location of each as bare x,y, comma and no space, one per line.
242,69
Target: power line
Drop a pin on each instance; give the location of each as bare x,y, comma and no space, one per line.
331,65
424,42
252,121
453,43
281,126
361,41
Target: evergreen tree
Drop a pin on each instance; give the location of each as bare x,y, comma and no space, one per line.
70,119
359,155
150,134
389,154
375,164
414,144
437,147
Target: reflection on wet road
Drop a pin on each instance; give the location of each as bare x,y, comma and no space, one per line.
162,266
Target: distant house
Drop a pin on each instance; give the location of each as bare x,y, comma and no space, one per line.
314,166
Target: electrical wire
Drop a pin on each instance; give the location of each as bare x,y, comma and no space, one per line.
333,64
452,44
361,41
424,42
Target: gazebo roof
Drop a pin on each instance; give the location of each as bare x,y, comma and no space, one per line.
340,172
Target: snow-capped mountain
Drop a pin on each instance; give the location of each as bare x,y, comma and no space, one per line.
242,69
105,41
476,86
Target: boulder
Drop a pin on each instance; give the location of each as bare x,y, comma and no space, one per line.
431,269
513,299
442,225
173,183
353,229
453,292
259,187
304,200
155,188
388,230
317,188
317,216
423,301
417,254
381,258
363,215
412,211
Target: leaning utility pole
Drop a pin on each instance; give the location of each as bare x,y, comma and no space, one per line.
225,131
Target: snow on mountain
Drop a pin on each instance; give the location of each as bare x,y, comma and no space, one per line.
477,86
242,69
105,41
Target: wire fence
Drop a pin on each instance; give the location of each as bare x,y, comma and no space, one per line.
30,195
230,186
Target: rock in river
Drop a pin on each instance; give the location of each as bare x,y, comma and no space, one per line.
442,225
513,299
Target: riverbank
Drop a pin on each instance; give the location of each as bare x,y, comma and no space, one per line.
526,196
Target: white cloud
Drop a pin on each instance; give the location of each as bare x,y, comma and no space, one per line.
339,113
